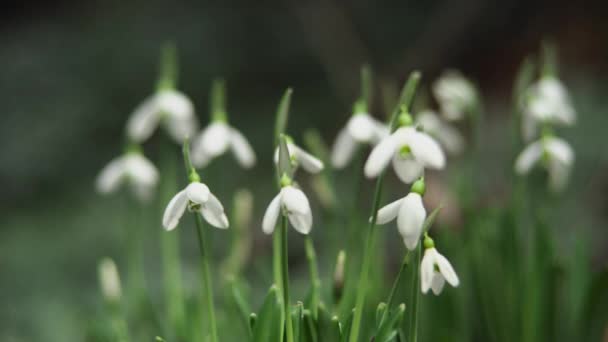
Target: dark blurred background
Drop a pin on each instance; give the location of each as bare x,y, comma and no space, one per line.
72,72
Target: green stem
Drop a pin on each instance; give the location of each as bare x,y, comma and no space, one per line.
119,323
389,302
207,283
311,256
285,278
135,270
413,321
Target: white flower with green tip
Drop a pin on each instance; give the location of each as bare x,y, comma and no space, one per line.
216,139
435,270
196,197
456,95
132,169
300,157
448,136
555,154
294,203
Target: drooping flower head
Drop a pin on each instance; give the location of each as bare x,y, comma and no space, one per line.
410,150
293,203
554,154
435,269
299,157
447,135
410,214
361,128
456,95
219,137
131,169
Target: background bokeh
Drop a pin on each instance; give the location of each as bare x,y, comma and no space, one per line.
72,72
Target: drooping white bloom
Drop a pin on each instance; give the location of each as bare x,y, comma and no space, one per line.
410,214
435,270
455,94
361,128
302,158
197,198
295,204
216,139
168,107
556,156
410,150
133,169
109,280
547,101
448,136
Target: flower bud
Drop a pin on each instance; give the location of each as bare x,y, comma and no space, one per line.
109,280
338,286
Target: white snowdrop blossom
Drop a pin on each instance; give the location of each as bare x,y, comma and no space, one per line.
109,280
455,94
216,139
547,101
435,270
197,198
410,214
169,107
448,136
410,151
361,128
294,203
299,157
132,169
554,154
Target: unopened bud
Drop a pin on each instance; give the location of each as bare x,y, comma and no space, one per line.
338,287
109,280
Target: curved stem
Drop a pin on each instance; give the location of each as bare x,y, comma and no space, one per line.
207,284
285,277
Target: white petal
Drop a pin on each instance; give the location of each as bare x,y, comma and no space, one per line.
407,169
271,215
309,162
242,150
111,176
215,139
175,209
528,157
175,104
181,128
140,170
446,269
361,127
437,283
380,157
529,126
427,150
198,193
213,212
294,200
427,269
388,212
560,150
144,120
343,150
198,156
301,222
410,219
558,175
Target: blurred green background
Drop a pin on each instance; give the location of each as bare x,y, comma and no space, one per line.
73,71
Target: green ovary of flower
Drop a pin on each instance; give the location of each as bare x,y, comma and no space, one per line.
405,151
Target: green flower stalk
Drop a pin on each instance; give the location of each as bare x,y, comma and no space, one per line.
111,289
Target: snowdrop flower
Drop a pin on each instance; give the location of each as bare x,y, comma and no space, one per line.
133,169
216,139
361,128
410,150
435,270
556,156
168,107
410,214
293,203
455,94
197,198
547,101
299,157
448,136
109,280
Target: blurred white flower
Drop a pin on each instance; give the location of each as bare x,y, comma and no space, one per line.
556,156
447,135
109,280
435,270
361,128
455,94
411,151
547,101
410,214
295,205
197,198
300,157
133,169
215,140
169,107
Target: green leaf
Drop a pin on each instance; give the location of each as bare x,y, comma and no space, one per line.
309,333
269,325
346,327
388,329
380,314
430,219
329,326
241,303
285,167
297,317
282,115
406,98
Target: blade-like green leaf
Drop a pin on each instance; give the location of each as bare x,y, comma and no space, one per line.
388,329
282,115
430,219
285,167
269,324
